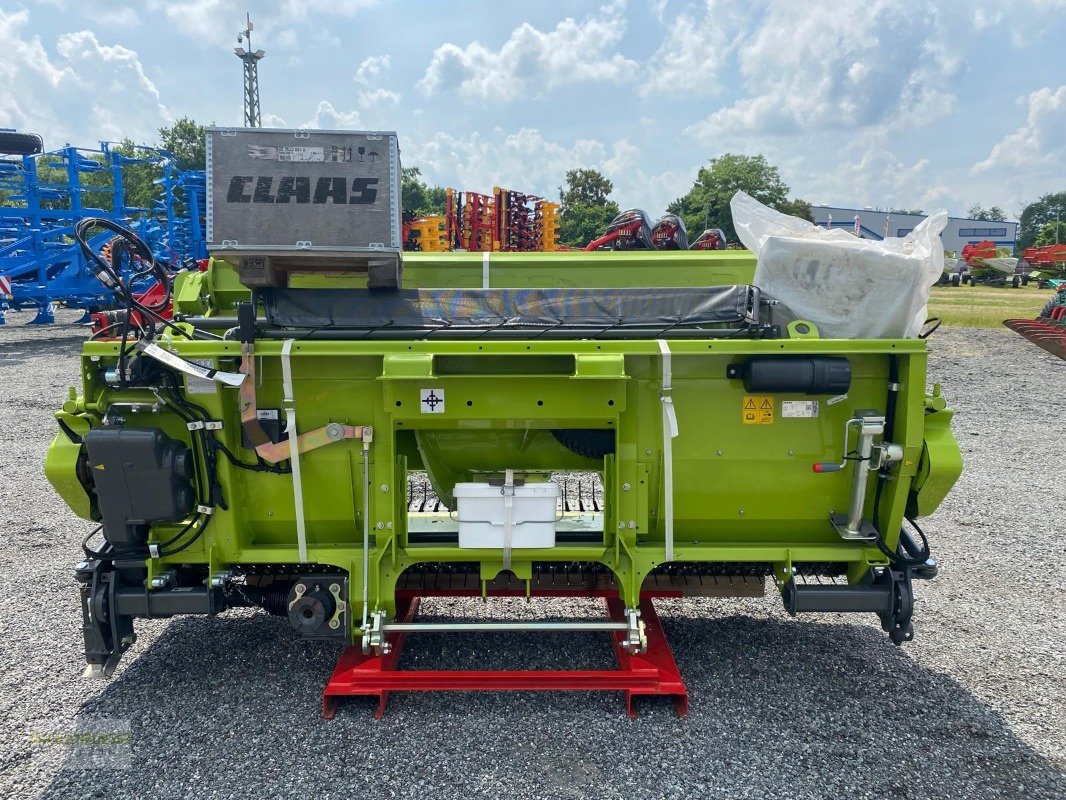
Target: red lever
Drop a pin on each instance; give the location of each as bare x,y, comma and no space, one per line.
824,467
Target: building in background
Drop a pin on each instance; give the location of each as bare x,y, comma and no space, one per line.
870,224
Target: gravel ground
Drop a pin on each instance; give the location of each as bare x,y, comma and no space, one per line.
974,707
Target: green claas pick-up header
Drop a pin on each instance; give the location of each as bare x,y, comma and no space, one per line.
332,453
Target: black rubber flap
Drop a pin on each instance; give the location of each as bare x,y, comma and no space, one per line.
521,309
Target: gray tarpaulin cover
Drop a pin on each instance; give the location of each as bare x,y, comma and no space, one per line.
360,309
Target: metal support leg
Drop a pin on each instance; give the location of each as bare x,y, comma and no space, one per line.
45,315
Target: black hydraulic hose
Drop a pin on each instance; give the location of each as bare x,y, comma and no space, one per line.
899,558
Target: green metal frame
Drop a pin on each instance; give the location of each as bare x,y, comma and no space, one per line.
742,492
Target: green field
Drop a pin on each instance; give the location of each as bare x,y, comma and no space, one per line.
985,306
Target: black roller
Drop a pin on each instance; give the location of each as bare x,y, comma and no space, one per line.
588,442
794,375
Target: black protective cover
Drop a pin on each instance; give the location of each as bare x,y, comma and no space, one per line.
140,476
510,309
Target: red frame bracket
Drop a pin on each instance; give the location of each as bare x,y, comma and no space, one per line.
653,673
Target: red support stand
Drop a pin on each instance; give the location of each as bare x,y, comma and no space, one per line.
653,673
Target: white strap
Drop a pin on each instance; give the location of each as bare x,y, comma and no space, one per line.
508,516
669,432
485,269
289,404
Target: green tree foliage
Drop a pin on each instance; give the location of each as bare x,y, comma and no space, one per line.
1051,233
587,207
707,203
187,140
139,177
914,212
417,197
1038,214
797,208
993,214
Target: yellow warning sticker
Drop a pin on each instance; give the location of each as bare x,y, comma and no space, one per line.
758,409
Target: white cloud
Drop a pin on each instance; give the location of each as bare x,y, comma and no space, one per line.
215,22
378,98
855,64
693,51
101,89
1038,144
328,117
118,16
303,9
532,60
371,69
286,39
874,175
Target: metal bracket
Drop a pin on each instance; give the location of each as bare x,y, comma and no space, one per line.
869,458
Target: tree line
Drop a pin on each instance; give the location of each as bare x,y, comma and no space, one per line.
588,207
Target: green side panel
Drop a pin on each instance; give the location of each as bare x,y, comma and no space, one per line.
939,468
60,467
743,491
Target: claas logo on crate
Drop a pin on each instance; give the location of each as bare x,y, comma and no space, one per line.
293,189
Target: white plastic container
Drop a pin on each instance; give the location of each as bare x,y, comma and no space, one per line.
488,517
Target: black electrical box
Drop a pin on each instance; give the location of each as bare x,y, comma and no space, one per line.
140,476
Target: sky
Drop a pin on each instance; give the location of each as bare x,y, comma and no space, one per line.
882,103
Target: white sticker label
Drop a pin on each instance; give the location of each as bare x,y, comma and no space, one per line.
198,385
799,408
432,401
840,398
266,413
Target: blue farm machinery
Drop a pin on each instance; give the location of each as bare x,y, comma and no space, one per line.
43,197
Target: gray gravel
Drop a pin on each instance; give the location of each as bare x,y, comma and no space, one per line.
823,707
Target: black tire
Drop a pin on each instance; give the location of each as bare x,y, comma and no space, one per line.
588,442
1048,308
1016,281
955,279
20,144
1025,280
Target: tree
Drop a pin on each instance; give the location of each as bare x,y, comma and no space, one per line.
187,140
587,187
993,214
417,197
797,208
138,179
913,212
587,207
1051,233
1037,214
707,203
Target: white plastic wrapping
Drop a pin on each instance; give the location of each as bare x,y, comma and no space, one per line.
851,288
